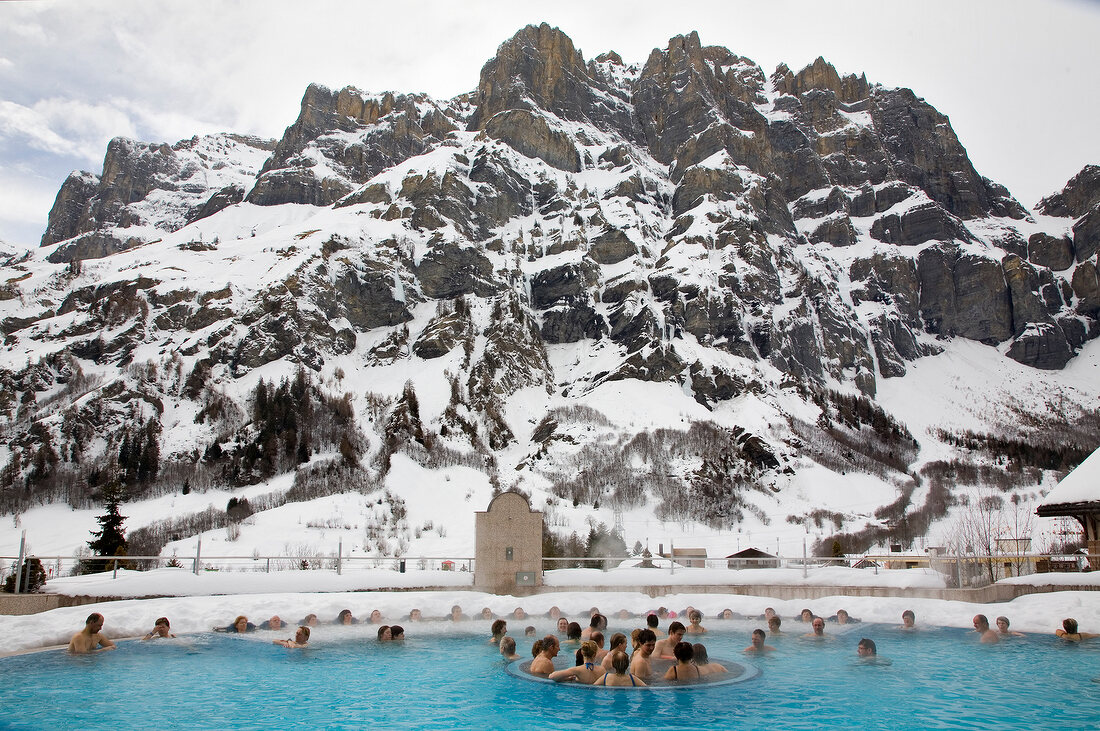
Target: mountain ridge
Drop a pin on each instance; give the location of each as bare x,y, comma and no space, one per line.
567,225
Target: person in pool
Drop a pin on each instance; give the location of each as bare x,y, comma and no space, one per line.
397,632
508,648
1070,633
345,617
758,645
301,639
456,614
553,613
240,625
161,628
695,623
618,644
498,630
276,622
416,615
91,638
981,626
375,617
619,675
543,664
727,614
653,622
598,638
774,624
866,648
702,661
597,623
818,627
384,633
1004,631
684,670
587,671
529,631
842,617
806,616
518,613
908,620
666,646
486,613
310,620
573,633
563,626
639,661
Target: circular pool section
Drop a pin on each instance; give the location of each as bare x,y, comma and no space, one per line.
736,673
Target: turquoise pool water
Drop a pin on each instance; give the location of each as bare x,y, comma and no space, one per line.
937,679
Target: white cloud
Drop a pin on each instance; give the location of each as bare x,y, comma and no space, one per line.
65,126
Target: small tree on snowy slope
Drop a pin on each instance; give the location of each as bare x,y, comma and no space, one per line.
110,539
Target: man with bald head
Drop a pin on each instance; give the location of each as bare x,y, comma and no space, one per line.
90,639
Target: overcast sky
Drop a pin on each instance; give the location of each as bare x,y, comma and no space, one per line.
1017,78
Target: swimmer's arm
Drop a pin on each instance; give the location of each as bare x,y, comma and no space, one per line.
640,682
669,674
561,675
1088,635
104,643
602,680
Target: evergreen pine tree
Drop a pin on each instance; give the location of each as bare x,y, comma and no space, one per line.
110,539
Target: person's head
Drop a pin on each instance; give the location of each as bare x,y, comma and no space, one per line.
623,614
375,617
456,612
695,616
518,613
700,654
536,648
726,614
416,615
593,611
908,618
598,621
769,613
652,620
486,613
529,631
499,628
646,641
806,616
866,648
573,631
662,612
819,625
241,623
345,617
302,635
588,650
597,637
842,616
634,635
275,622
683,652
507,646
554,612
981,622
618,642
550,646
161,626
774,623
1069,624
758,637
676,631
563,625
310,620
1002,624
384,633
397,632
619,662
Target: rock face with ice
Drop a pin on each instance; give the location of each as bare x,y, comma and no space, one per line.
793,239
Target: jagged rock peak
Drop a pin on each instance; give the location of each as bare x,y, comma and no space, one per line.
538,65
1079,196
821,75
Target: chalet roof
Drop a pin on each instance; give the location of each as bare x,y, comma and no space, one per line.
1080,489
750,553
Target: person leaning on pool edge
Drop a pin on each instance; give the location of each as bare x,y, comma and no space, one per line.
301,639
91,638
161,628
1069,631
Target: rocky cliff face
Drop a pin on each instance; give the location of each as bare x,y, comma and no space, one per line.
569,223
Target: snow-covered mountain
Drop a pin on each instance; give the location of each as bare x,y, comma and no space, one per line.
686,293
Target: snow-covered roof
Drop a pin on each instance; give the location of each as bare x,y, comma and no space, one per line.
1082,485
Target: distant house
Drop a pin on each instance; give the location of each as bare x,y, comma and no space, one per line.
692,558
752,558
1078,496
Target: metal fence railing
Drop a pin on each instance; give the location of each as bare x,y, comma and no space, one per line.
959,571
